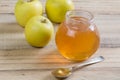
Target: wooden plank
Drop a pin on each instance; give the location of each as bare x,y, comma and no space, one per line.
12,35
46,75
95,6
37,59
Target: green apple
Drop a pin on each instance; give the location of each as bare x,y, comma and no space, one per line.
56,9
26,9
39,31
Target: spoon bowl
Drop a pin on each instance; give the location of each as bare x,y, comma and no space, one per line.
62,73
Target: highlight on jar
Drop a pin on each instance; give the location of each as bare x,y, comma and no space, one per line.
77,37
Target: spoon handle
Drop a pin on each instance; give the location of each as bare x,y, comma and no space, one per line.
88,62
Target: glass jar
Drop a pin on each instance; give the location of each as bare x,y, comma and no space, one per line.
77,37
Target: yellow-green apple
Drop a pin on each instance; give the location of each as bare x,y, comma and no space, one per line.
26,9
39,31
56,9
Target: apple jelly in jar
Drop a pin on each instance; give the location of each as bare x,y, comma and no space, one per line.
77,37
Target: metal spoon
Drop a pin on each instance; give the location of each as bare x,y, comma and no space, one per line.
62,73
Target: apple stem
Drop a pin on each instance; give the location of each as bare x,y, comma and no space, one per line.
43,20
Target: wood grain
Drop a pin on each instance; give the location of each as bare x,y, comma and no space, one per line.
18,60
26,64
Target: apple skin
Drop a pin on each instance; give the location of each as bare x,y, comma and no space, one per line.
26,10
39,31
56,9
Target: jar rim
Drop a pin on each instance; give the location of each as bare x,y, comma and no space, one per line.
88,13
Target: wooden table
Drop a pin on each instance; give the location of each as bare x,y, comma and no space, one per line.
20,61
